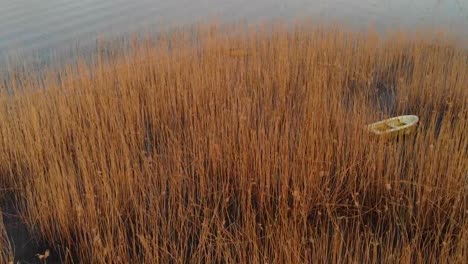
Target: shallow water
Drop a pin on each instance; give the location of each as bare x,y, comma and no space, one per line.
27,25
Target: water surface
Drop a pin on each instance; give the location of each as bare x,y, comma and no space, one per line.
27,25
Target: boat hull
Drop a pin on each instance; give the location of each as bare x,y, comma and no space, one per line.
400,125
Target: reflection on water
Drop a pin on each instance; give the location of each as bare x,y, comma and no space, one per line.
27,25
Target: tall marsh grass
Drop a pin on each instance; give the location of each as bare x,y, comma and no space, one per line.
243,147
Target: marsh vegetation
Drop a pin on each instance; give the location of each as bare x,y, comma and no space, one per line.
235,145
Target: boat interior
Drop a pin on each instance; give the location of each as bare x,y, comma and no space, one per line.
395,123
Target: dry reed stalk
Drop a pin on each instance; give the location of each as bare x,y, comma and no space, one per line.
6,250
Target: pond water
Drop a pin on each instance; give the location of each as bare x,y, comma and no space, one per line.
27,25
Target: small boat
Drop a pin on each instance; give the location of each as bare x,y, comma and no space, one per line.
394,126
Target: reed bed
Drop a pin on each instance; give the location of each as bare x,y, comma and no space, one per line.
235,145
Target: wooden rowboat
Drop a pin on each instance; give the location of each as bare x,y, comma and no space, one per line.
394,126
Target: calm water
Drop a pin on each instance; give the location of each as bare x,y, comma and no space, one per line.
27,25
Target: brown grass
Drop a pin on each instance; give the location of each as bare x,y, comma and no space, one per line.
244,148
6,252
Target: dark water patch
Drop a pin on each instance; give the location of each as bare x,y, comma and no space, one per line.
381,90
27,243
